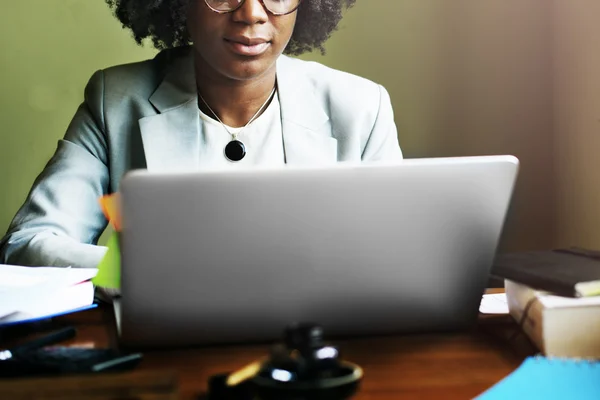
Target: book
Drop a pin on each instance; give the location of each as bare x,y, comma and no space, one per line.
570,272
33,293
549,379
558,326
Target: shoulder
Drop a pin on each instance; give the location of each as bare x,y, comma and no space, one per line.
359,109
338,88
133,80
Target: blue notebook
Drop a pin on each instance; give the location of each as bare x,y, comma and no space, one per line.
548,379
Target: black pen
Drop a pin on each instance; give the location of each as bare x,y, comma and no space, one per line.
51,338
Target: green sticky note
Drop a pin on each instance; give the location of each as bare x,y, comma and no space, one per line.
109,269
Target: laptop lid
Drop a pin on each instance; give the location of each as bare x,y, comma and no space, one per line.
235,256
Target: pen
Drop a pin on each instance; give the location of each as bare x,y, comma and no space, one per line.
118,363
51,338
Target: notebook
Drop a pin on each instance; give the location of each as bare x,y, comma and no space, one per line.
570,272
549,379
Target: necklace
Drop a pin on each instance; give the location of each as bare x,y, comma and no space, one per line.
235,150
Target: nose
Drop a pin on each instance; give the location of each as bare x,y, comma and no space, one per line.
251,12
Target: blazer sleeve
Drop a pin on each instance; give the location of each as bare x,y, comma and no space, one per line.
383,144
61,219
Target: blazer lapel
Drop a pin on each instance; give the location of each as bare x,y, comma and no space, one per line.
171,138
307,131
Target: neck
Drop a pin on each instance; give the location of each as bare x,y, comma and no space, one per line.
234,102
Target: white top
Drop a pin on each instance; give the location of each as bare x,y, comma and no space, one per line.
263,140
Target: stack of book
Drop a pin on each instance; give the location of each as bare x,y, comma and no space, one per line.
30,294
555,298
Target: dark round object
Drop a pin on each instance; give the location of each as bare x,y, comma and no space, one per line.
336,383
305,368
235,150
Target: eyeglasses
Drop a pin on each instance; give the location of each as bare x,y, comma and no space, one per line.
275,7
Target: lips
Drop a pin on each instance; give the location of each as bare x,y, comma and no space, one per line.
247,46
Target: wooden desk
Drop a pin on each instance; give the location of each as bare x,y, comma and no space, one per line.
449,366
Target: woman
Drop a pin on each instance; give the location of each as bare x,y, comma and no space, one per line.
220,94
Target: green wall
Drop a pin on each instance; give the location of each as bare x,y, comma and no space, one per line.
50,48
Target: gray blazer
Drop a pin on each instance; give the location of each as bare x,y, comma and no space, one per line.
145,115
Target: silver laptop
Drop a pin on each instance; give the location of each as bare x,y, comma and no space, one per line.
236,256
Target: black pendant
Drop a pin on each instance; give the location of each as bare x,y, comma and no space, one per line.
235,150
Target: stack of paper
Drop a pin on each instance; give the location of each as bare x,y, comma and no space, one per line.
32,293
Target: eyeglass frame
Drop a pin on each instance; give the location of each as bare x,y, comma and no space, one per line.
262,2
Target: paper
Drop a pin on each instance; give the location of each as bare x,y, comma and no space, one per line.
494,304
550,301
13,276
22,288
109,269
64,300
110,208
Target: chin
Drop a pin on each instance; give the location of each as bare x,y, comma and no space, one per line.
248,69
